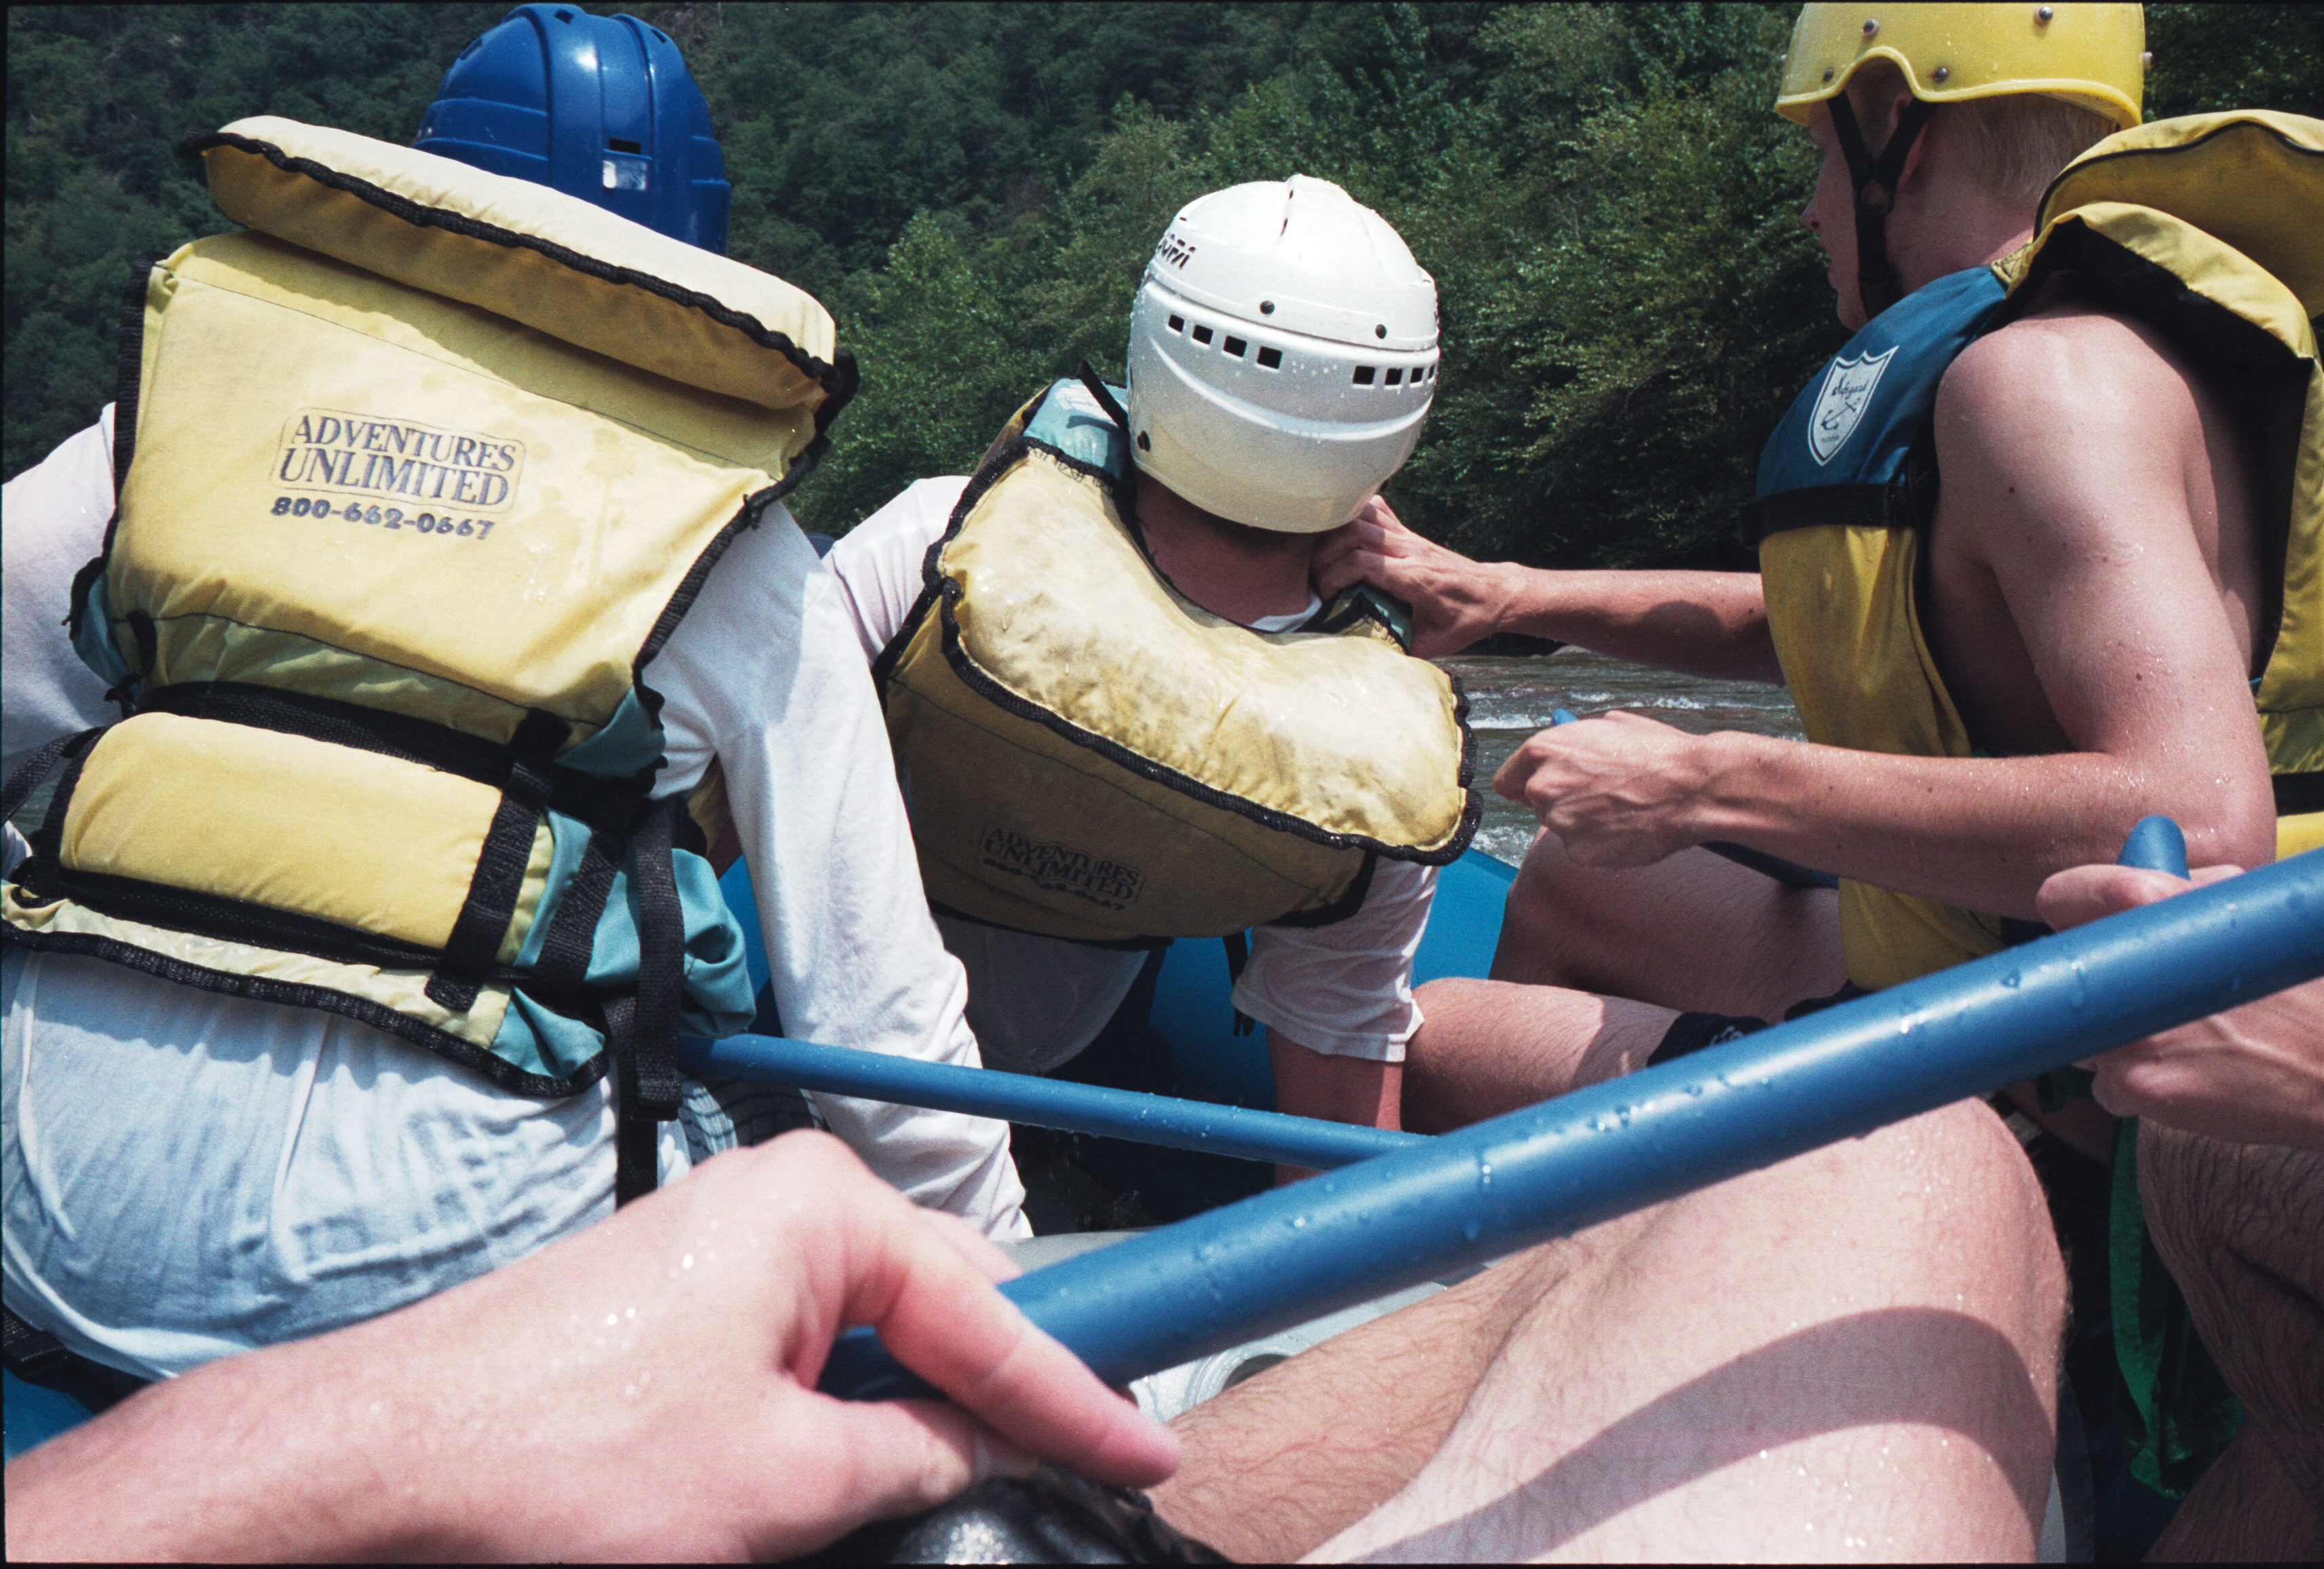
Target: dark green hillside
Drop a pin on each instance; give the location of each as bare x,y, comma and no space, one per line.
1602,191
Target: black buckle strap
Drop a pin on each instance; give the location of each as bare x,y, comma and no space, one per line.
643,1030
1875,181
563,964
37,767
473,947
1238,947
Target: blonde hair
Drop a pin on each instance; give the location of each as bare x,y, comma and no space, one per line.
2015,143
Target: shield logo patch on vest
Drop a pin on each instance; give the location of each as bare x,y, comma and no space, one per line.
1847,390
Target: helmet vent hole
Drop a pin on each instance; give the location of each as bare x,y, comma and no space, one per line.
1272,358
1177,324
564,16
1235,346
1363,376
1143,444
1395,374
623,144
1202,335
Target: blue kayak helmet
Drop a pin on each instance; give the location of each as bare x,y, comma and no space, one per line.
601,107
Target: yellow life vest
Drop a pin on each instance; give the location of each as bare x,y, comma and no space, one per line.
416,477
1089,754
2204,227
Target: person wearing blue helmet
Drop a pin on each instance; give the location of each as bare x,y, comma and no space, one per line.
601,107
211,1152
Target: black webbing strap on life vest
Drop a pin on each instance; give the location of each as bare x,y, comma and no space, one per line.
473,949
1875,178
1238,947
1097,389
1847,506
642,1029
34,769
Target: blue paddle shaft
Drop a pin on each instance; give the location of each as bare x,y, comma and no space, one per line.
1249,1268
2157,844
1045,1102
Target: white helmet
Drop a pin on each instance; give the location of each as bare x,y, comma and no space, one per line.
1282,354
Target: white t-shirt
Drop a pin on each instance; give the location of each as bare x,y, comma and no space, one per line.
1344,990
187,1174
55,521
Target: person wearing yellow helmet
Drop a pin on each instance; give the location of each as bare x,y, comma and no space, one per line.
2024,546
2032,91
2037,548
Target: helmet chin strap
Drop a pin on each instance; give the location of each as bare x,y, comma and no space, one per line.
1875,178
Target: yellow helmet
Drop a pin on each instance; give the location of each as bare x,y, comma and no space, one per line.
2093,55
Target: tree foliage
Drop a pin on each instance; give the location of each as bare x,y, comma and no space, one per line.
1607,205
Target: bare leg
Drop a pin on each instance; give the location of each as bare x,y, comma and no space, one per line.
2247,1509
1853,1353
1491,1047
2238,1226
1692,932
1276,1466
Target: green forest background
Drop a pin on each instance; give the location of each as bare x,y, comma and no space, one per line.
1605,198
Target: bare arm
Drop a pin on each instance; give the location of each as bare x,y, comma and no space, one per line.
2086,584
1335,1089
645,1389
1700,623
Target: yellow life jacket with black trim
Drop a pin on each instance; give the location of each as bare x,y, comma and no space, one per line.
1087,753
416,475
2206,228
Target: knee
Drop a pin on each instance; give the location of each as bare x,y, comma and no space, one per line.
2236,1225
2207,1201
1528,919
1547,920
1988,1175
1980,1213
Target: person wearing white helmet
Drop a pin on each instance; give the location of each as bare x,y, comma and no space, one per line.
1115,708
1297,430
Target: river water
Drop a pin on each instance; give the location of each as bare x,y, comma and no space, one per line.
1510,699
